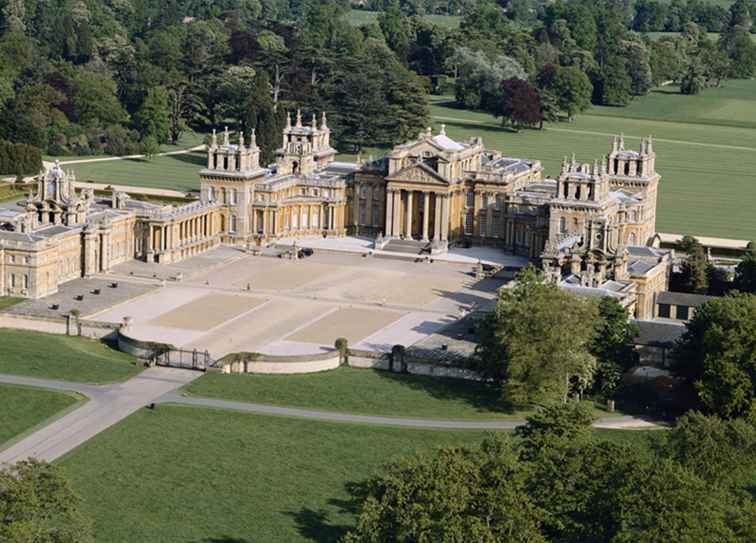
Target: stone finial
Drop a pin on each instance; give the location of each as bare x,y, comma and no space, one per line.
214,141
253,140
225,137
615,144
323,124
429,131
650,145
442,132
288,119
314,122
622,142
595,167
299,118
573,163
241,140
359,158
564,164
604,165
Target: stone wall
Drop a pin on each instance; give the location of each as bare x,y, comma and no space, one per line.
66,325
271,364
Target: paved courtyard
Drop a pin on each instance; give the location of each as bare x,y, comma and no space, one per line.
234,302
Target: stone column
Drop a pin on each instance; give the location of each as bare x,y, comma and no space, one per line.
265,222
445,218
426,214
397,222
332,217
437,217
408,224
369,206
389,230
489,214
356,206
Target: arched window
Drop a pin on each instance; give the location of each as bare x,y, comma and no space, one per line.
632,240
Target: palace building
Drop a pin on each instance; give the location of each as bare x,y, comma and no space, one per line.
591,229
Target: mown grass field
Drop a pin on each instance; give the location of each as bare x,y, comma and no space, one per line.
51,356
184,474
705,145
23,408
177,172
358,17
364,391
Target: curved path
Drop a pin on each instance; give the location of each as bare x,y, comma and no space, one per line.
108,404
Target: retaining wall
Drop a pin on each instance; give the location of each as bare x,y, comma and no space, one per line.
71,326
271,364
139,348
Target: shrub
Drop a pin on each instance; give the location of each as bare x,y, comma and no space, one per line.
19,158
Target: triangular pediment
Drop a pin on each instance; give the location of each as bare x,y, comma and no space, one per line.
418,173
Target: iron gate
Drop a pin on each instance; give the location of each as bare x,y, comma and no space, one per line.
191,360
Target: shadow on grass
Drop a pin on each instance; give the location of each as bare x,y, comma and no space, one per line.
484,397
195,158
223,539
315,526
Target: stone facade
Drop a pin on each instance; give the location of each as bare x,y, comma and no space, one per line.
592,229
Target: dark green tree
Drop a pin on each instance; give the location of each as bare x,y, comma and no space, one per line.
573,90
453,495
717,355
613,346
38,504
745,273
262,117
153,118
551,368
693,277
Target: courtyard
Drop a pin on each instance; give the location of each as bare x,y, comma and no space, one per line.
230,301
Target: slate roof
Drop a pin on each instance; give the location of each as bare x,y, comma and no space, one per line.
682,298
658,334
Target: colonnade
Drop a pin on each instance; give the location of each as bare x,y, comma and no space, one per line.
400,214
177,233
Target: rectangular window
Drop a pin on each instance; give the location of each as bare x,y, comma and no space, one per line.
26,281
232,197
664,312
470,200
498,201
13,280
232,224
683,312
362,214
469,219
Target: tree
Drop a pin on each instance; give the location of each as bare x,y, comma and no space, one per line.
150,147
153,118
745,273
554,426
573,90
693,277
717,355
613,346
395,28
453,495
479,79
551,368
721,452
14,14
520,104
262,118
37,504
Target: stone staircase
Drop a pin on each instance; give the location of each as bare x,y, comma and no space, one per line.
407,246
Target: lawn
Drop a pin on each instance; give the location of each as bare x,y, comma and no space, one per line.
26,407
51,356
707,168
358,17
9,301
363,391
183,474
178,172
9,191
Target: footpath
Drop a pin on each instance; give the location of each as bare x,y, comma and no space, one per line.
109,404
